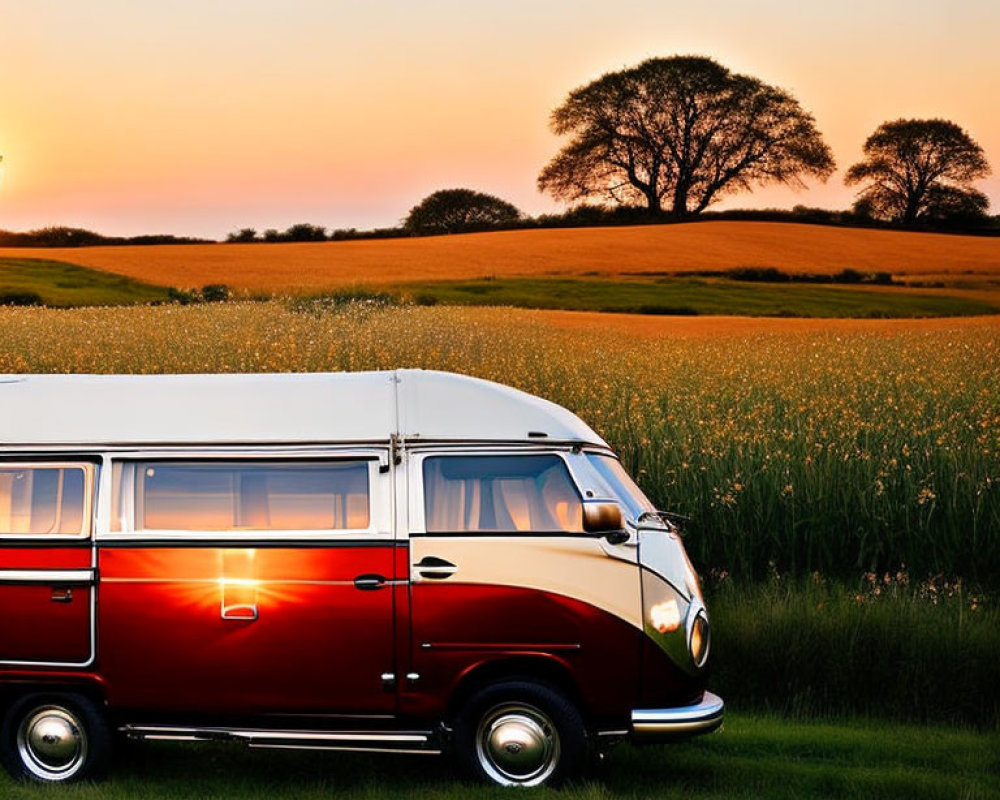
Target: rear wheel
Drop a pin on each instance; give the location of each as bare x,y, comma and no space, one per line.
55,739
521,733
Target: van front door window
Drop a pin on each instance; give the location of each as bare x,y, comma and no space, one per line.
503,493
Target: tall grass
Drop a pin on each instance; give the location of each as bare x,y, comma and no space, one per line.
926,652
834,449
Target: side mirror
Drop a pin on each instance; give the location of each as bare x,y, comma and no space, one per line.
604,519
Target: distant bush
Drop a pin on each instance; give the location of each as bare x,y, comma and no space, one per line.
762,274
304,232
774,275
20,299
182,296
211,293
243,235
215,293
672,311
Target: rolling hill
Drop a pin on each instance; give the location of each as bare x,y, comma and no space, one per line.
967,262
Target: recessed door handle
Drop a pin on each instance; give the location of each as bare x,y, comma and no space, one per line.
62,595
370,582
434,568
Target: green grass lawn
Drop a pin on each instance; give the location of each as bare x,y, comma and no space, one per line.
672,295
751,757
56,283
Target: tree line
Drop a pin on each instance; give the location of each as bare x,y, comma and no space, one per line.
666,140
670,137
61,236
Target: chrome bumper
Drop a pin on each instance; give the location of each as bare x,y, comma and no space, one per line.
664,724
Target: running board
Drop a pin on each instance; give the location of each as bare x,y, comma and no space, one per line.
358,741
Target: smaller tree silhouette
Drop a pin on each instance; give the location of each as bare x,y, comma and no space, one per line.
457,210
243,235
305,232
920,170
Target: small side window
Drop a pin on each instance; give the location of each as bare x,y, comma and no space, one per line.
40,500
500,494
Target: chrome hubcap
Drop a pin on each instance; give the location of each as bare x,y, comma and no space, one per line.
52,743
517,745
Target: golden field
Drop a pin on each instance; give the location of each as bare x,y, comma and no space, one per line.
712,246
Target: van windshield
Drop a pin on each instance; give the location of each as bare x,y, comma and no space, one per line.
619,485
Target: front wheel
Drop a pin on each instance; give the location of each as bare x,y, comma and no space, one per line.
521,733
55,739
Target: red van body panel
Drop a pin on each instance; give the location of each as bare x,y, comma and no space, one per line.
461,627
318,644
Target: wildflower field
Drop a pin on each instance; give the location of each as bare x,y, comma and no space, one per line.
842,477
845,450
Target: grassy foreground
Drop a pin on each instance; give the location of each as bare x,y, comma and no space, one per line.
752,757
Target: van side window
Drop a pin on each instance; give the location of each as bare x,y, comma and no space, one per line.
41,499
227,496
532,493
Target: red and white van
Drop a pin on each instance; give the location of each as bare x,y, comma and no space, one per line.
383,561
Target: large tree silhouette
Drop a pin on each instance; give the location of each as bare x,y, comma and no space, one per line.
919,170
680,133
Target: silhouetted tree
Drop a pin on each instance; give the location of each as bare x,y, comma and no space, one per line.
304,232
680,132
456,210
243,235
920,170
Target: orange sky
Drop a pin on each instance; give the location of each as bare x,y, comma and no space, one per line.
196,117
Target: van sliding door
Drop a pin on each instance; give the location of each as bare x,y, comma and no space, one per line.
249,586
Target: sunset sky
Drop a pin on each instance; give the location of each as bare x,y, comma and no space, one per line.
202,116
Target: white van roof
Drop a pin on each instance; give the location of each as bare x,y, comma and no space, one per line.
296,408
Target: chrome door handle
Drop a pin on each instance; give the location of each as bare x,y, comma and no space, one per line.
240,611
434,568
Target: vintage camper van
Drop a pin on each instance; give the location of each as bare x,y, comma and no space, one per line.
386,561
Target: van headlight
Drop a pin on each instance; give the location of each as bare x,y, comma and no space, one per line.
700,639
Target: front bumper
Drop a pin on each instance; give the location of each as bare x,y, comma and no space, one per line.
666,724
